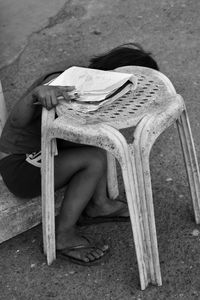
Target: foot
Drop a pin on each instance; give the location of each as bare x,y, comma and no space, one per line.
109,207
78,249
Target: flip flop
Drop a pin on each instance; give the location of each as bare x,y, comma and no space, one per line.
113,217
64,254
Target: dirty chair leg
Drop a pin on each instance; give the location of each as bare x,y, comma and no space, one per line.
135,216
48,214
191,163
142,172
121,151
112,181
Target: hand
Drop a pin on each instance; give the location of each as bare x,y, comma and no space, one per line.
48,95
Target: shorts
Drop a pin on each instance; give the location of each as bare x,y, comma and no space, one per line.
22,177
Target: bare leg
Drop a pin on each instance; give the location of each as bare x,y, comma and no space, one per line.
101,205
81,169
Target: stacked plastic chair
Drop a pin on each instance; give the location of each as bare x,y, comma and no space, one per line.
149,110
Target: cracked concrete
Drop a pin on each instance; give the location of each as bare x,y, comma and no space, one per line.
18,21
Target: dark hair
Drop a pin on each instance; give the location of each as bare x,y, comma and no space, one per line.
124,55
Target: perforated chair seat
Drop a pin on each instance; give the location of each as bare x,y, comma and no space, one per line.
149,97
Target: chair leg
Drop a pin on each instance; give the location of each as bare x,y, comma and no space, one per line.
112,181
121,151
135,216
48,214
191,163
142,173
145,134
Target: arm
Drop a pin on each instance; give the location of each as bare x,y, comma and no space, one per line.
24,110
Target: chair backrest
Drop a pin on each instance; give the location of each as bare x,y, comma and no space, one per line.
3,110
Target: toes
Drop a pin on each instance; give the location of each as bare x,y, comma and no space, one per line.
96,253
85,259
87,254
105,248
99,252
102,247
91,257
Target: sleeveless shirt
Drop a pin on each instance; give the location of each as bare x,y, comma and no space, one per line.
26,140
15,140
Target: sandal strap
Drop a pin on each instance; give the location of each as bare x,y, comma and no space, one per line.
80,246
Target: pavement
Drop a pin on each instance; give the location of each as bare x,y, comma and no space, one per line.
19,22
37,36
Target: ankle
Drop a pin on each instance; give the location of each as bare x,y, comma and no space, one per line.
98,202
95,209
63,236
65,231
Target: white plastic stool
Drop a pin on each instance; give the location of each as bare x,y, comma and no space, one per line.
150,109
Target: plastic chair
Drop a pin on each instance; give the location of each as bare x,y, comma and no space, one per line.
152,108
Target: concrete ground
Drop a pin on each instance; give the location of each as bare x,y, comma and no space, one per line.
37,36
